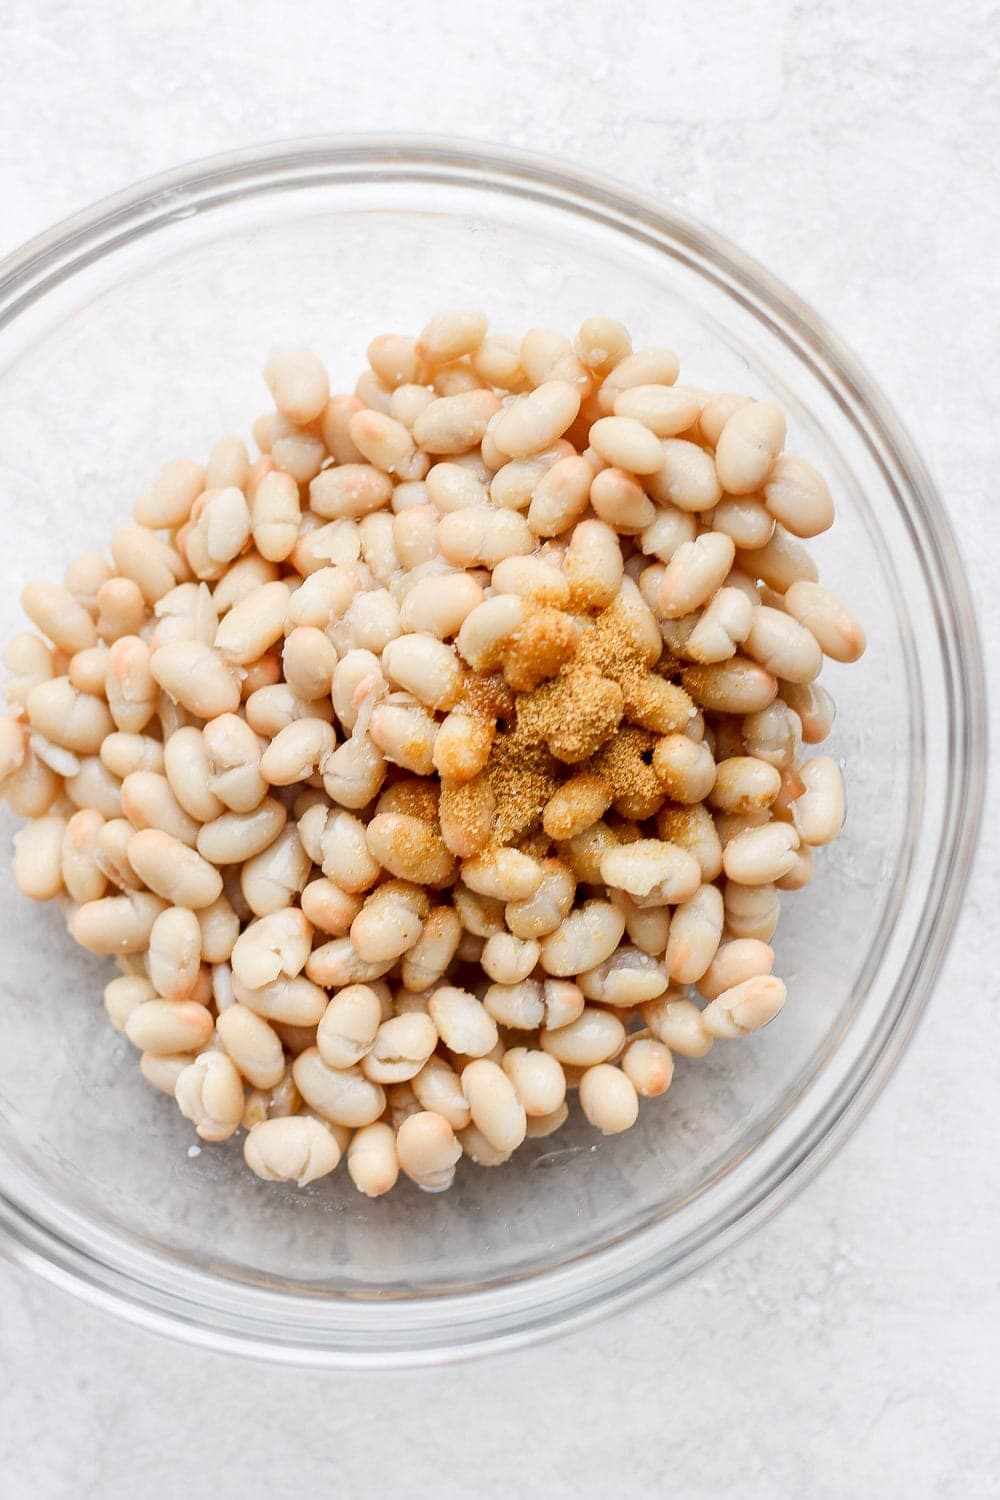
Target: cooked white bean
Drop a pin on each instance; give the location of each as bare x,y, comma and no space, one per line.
505,874
609,1099
519,1006
621,501
751,912
75,721
82,876
428,1150
481,535
761,855
84,576
798,497
298,382
652,872
559,496
748,445
401,1048
174,957
31,790
253,1046
548,355
602,343
695,932
627,978
27,661
563,1002
116,924
343,1096
451,486
336,841
744,784
538,1079
533,422
724,624
390,922
195,676
173,870
188,769
87,670
827,618
780,562
508,959
774,735
167,1027
783,646
59,615
496,1109
736,686
665,410
454,424
123,995
425,667
818,814
678,1025
694,573
427,960
670,531
38,858
539,914
626,443
209,1092
234,837
686,477
234,754
350,490
649,1066
355,771
654,366
438,607
648,927
736,960
745,519
487,627
349,1026
296,751
372,1160
383,441
308,660
253,625
274,945
593,1037
293,1002
339,963
329,908
462,1021
593,564
450,335
298,1149
746,1007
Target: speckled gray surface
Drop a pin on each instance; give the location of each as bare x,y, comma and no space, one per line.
851,1346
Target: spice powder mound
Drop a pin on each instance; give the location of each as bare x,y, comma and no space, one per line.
596,705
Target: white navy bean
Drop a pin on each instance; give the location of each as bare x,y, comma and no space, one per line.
297,1149
761,855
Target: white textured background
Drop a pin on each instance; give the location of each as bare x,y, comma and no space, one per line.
852,1347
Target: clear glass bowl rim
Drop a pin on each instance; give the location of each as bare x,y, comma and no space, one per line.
206,1310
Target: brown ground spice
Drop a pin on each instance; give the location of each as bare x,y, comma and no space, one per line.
578,687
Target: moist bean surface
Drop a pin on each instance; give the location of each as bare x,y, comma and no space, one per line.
447,760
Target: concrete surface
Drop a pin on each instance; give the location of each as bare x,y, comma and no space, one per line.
852,1347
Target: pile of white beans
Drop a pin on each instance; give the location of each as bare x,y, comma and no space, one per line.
228,741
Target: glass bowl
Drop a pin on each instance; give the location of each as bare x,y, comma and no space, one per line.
137,331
